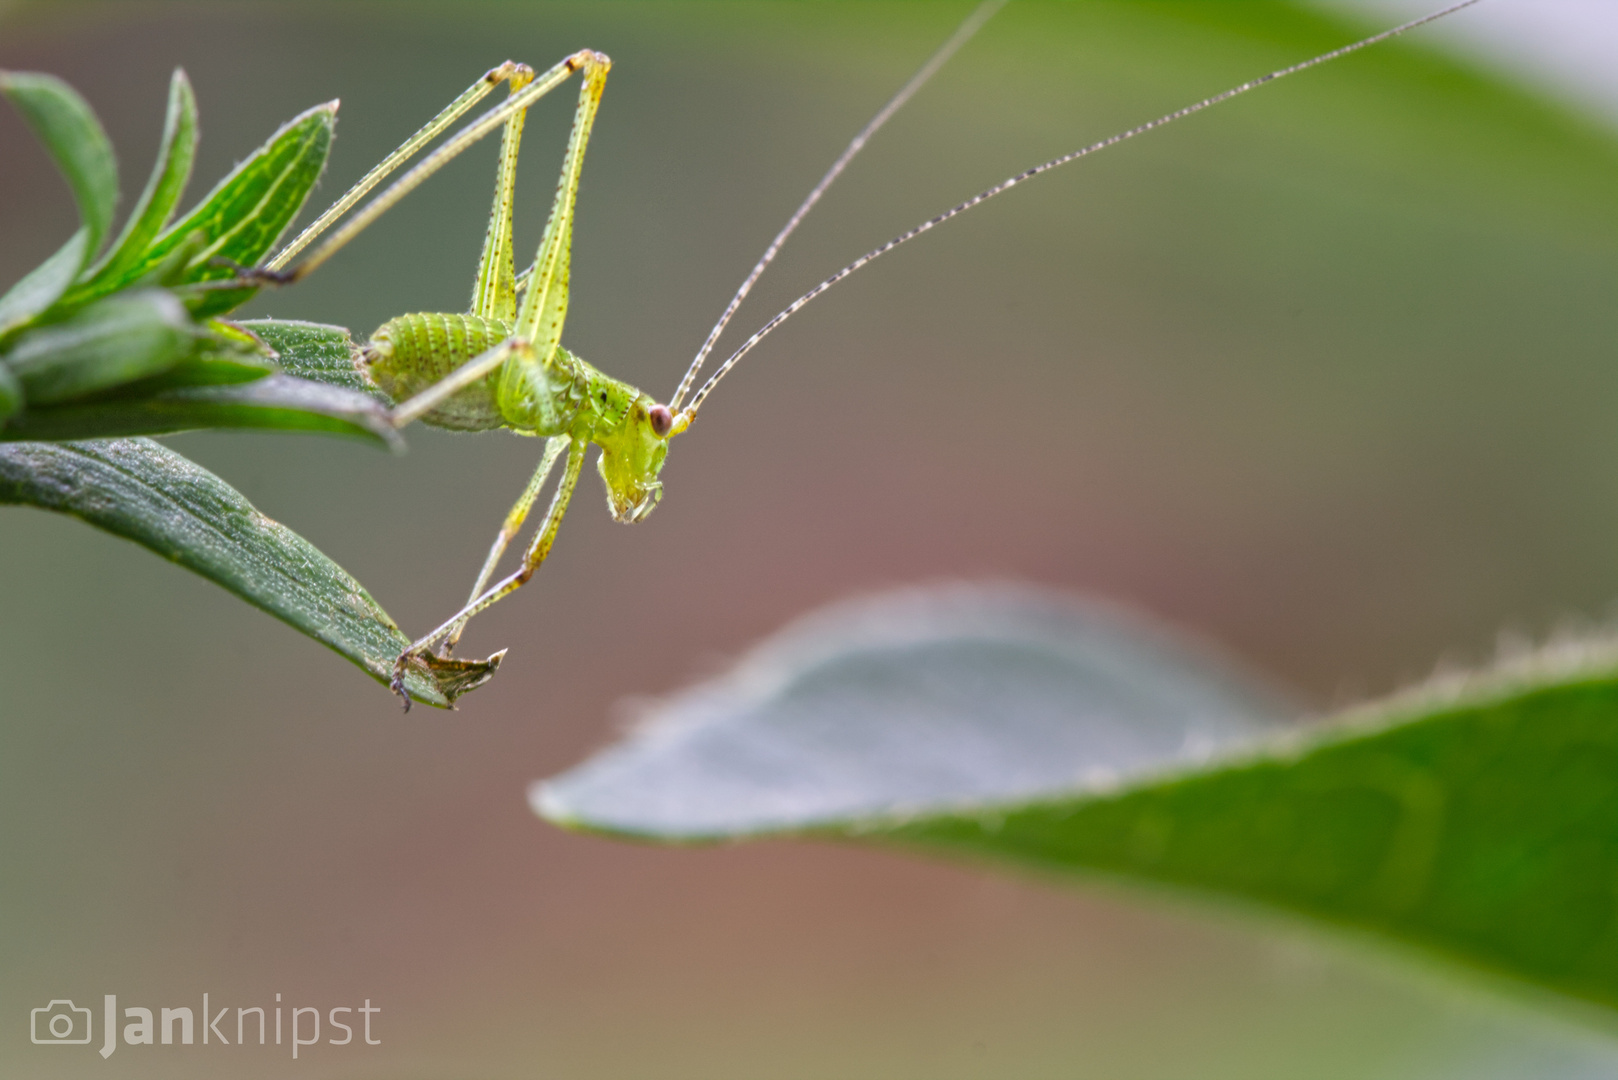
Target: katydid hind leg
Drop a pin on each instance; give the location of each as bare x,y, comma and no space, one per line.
454,146
544,304
494,294
524,357
518,75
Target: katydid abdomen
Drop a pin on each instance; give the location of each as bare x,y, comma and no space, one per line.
408,354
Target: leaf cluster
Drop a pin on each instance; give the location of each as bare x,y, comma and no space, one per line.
122,335
113,338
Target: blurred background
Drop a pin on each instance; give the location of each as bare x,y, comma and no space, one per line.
1325,376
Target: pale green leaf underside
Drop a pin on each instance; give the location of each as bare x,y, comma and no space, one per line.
1478,821
140,490
912,702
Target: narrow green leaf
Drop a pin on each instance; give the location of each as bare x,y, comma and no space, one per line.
315,351
163,190
114,341
43,285
1477,820
145,492
275,402
248,211
69,129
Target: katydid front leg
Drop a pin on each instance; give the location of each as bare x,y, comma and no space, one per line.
532,560
509,530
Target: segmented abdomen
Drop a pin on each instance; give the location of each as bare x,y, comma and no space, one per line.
408,354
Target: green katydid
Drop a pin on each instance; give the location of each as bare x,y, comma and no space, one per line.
502,364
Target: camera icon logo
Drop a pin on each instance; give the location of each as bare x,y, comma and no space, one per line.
59,1022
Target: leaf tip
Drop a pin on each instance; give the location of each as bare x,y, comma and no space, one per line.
549,805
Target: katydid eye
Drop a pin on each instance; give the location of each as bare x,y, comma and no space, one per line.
662,419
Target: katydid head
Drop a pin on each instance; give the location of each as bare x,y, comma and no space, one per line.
632,455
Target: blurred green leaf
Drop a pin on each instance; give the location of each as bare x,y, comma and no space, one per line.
70,131
169,176
241,218
111,342
43,285
140,490
10,395
278,402
1477,819
221,370
225,355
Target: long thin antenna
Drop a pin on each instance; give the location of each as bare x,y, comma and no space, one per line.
931,223
963,33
